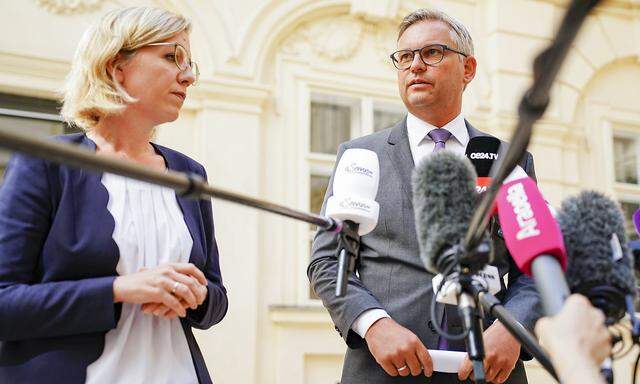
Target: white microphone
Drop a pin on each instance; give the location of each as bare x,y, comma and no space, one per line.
355,185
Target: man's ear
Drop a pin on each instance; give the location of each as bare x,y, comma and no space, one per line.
470,65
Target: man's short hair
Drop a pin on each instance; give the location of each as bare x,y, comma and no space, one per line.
459,32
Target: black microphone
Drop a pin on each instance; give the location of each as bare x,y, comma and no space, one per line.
482,151
600,264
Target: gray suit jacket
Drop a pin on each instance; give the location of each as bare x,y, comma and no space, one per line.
391,275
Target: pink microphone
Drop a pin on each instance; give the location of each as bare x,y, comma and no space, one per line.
534,239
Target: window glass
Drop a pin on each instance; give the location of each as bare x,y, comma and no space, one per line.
625,160
384,118
330,126
629,208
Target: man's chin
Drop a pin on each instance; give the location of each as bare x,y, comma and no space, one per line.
420,101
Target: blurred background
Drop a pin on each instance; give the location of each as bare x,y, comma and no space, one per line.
285,81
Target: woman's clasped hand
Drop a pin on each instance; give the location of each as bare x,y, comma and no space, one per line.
167,290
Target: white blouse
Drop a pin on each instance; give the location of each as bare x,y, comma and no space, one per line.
149,231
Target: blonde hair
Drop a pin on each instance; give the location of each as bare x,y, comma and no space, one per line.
91,90
459,32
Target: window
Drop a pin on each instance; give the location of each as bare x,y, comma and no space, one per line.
625,152
628,209
29,115
334,119
386,115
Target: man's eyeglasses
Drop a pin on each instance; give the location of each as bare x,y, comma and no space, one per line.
430,55
182,59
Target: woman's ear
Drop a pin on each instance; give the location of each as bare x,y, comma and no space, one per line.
114,68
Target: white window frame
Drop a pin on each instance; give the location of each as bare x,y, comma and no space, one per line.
635,136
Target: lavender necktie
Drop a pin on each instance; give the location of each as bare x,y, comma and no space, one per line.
439,136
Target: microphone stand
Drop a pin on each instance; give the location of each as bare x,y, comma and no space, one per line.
187,185
468,264
493,306
532,106
473,299
471,315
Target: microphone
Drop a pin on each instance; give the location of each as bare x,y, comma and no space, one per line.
482,151
534,240
600,263
444,200
355,185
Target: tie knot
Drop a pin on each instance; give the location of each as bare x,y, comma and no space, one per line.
439,135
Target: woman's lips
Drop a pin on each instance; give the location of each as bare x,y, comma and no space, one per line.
180,95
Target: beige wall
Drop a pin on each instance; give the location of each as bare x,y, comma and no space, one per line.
248,123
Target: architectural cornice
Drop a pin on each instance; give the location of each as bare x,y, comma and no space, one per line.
69,6
284,315
31,75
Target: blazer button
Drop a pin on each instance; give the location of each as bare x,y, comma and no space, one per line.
431,327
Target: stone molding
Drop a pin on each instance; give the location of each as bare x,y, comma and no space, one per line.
66,7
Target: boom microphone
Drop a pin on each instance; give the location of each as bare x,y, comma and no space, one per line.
534,240
600,263
355,185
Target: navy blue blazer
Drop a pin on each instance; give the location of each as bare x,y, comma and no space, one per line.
58,262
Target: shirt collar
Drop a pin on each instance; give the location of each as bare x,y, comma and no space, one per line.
417,130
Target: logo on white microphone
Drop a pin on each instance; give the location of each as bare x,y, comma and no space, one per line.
348,203
355,168
483,156
519,201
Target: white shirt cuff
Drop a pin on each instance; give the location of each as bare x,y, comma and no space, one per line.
366,319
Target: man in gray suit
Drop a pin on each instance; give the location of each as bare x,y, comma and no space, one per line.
384,317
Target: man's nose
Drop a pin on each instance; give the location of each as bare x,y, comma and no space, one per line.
417,65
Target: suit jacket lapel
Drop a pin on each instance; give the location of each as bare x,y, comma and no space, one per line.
473,132
400,154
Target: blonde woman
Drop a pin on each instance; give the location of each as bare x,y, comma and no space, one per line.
103,277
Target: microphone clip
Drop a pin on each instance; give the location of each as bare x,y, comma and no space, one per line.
348,255
471,262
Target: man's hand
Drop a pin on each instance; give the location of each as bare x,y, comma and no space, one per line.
501,354
397,350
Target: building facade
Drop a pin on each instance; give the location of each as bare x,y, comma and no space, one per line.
285,81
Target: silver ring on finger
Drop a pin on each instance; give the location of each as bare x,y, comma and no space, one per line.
402,368
175,288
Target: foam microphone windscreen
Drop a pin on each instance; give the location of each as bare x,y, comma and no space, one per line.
598,253
444,200
355,186
528,226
